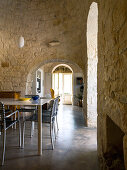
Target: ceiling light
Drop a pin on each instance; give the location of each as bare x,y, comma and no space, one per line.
21,42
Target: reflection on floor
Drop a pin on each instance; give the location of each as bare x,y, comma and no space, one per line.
75,146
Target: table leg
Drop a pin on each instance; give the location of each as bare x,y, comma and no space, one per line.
40,130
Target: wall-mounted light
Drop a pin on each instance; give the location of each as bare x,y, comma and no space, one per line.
53,43
21,42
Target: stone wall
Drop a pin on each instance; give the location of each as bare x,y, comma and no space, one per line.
39,22
112,77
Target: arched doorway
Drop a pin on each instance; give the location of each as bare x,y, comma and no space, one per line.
92,31
62,76
47,69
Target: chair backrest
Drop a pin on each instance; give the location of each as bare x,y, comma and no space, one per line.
2,112
57,102
52,93
53,107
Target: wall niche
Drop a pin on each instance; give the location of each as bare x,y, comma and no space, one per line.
114,155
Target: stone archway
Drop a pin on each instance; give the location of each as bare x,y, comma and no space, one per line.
29,76
92,31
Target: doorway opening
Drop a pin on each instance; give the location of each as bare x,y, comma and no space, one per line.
62,83
72,73
92,32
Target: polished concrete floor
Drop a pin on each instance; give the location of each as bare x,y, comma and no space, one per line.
75,146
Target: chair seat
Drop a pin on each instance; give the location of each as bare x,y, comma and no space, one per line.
26,110
46,117
33,117
46,113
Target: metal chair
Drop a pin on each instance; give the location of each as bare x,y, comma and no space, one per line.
48,116
7,121
32,110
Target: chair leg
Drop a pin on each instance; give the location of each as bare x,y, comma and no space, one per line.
32,129
33,123
51,135
12,120
55,134
15,123
23,131
20,143
57,124
0,131
4,145
50,130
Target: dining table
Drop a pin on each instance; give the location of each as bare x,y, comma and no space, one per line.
39,103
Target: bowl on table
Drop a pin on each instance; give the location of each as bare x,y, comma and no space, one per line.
35,97
24,99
